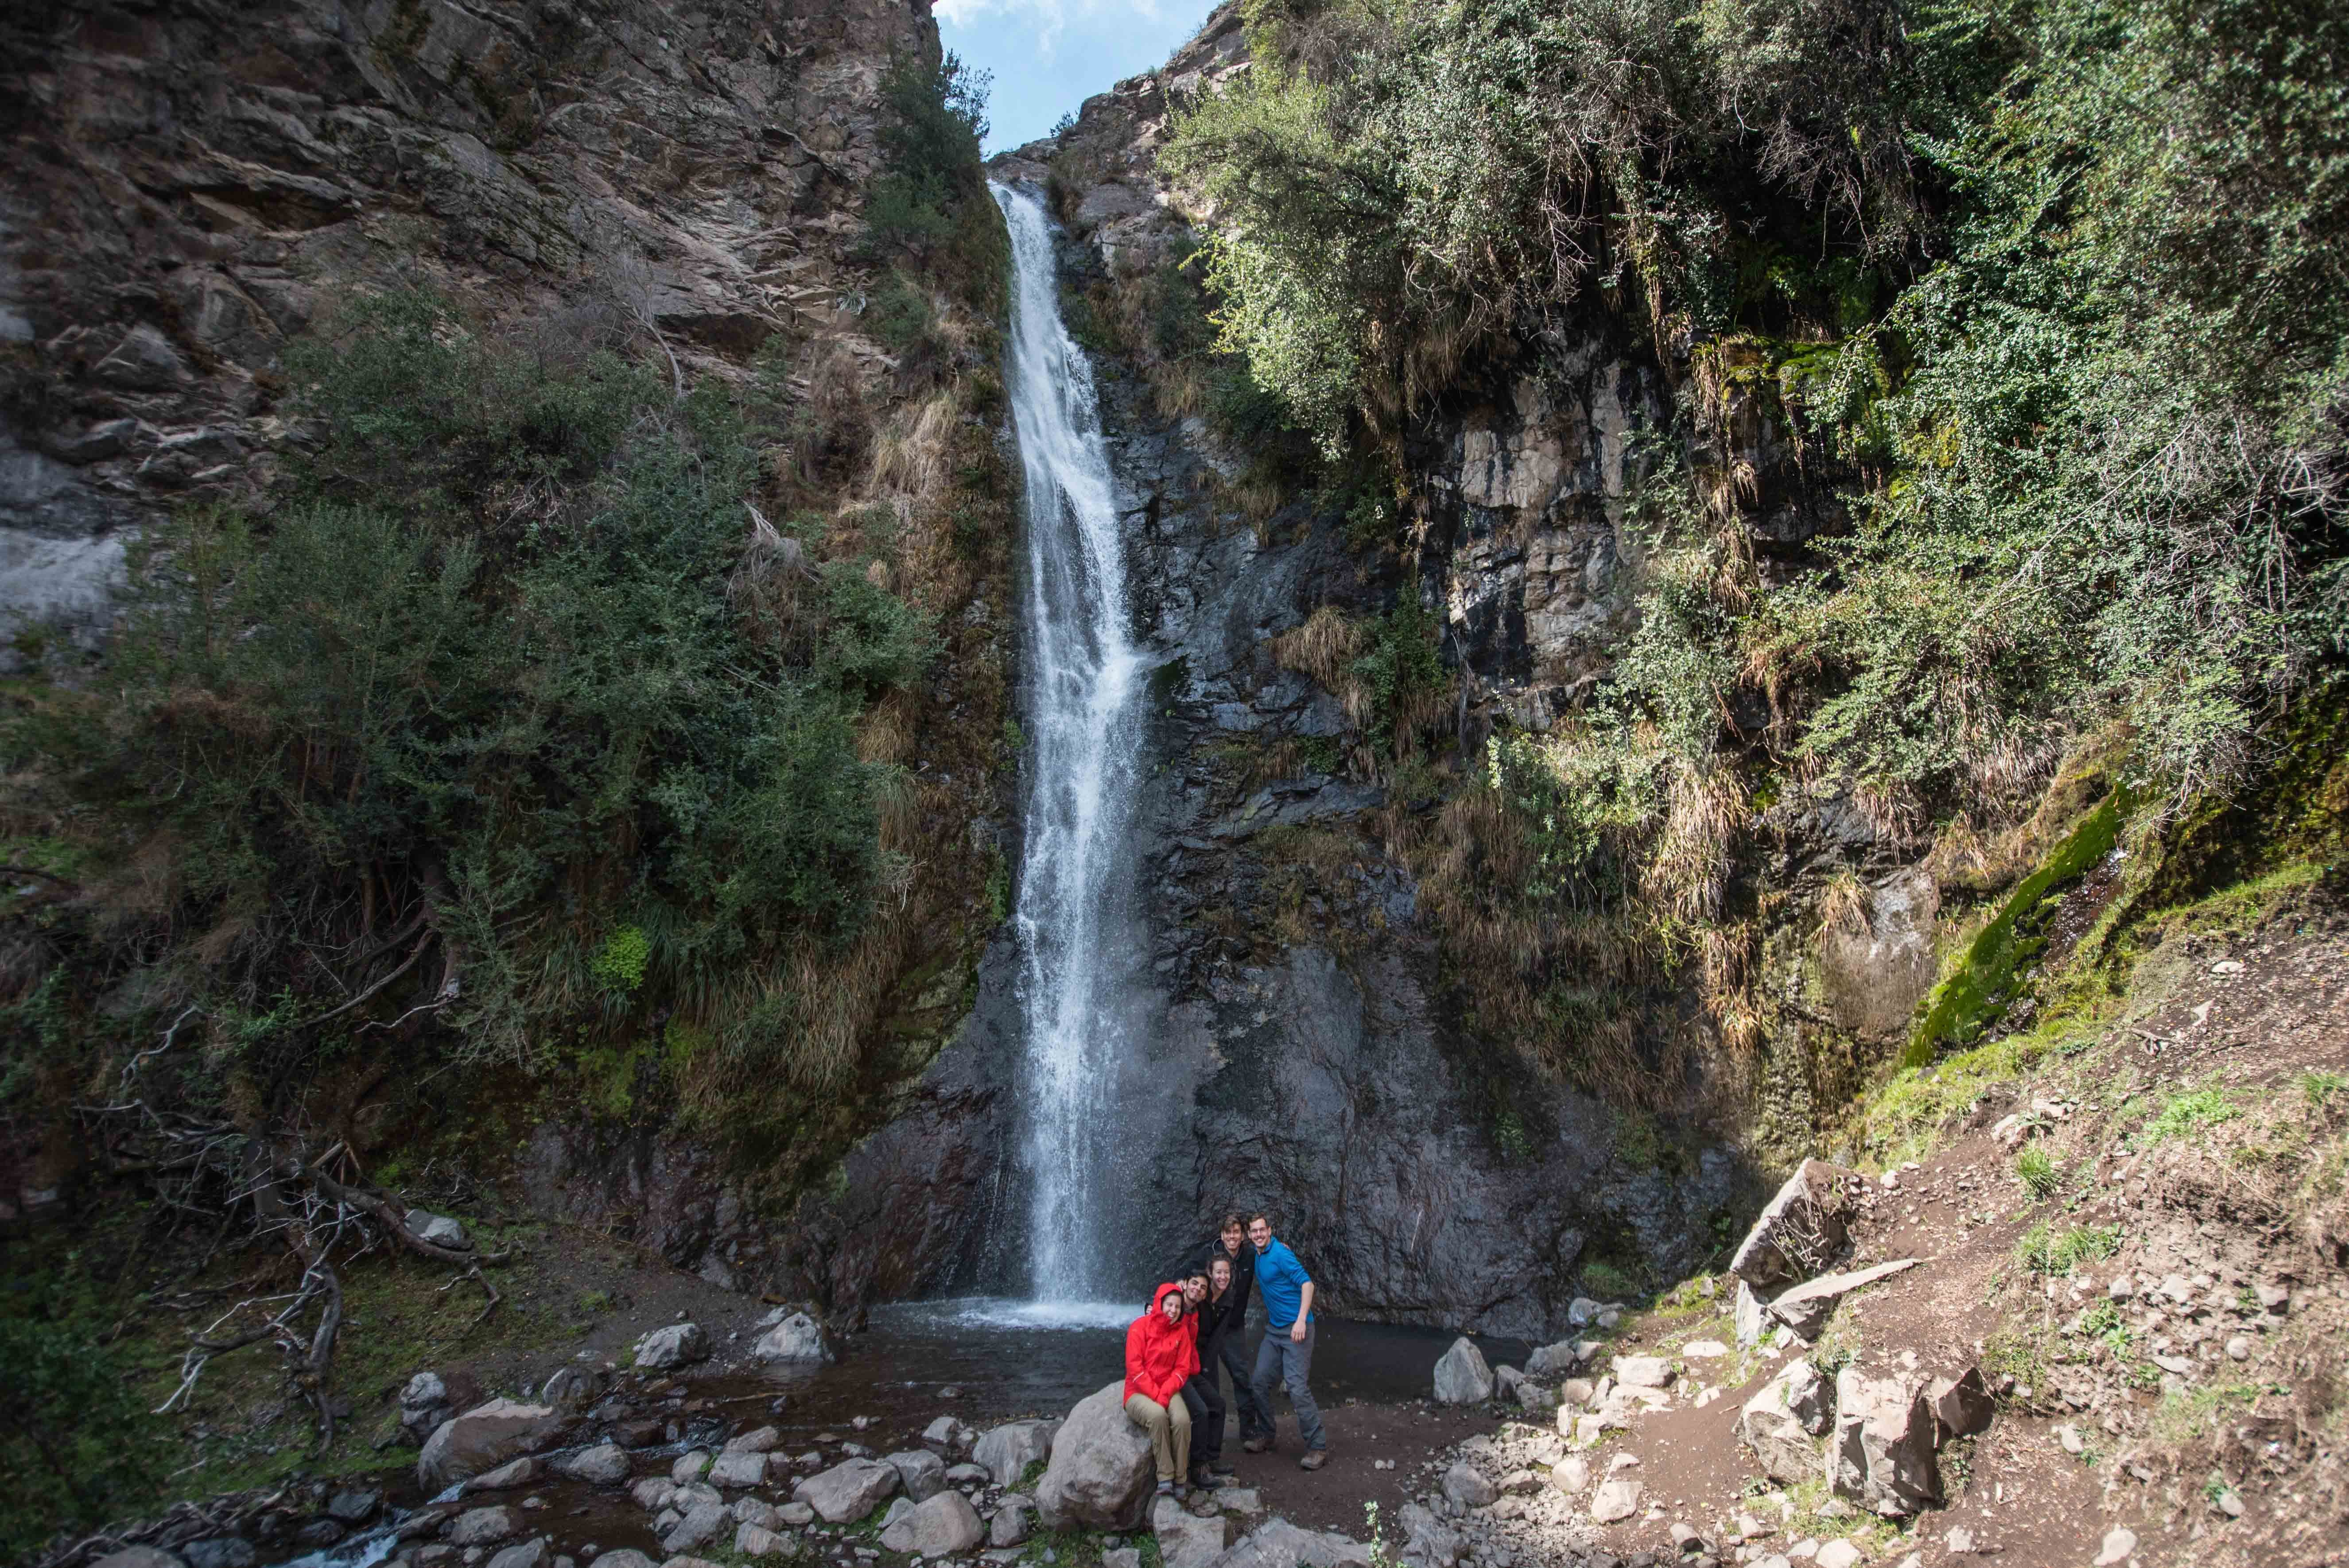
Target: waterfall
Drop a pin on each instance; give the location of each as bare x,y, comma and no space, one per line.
1073,918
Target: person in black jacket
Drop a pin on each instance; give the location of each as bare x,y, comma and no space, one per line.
1212,1302
1230,1244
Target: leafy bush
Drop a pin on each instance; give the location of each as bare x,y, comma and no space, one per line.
511,666
76,1440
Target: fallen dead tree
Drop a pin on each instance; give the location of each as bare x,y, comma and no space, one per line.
269,1187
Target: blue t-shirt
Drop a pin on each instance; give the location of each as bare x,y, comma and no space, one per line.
1281,1280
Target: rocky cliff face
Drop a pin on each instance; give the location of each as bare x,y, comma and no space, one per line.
191,185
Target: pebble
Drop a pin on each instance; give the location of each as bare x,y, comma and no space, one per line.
2238,1348
2069,1436
2274,1298
1838,1553
1960,1540
2228,1503
2122,1288
2119,1543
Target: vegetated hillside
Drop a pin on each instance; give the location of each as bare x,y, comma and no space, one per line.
1818,476
510,636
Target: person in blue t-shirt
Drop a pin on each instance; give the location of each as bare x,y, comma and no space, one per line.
1287,1351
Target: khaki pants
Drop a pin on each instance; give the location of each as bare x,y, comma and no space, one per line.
1170,1434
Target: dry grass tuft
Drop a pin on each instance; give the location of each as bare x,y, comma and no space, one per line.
1323,648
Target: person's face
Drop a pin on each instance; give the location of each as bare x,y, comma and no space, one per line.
1232,1234
1195,1289
1222,1273
1172,1305
1260,1232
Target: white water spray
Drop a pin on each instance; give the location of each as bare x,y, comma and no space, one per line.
1073,918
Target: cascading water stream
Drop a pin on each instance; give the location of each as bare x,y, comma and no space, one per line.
1072,919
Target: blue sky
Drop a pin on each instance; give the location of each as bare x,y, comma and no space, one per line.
1049,56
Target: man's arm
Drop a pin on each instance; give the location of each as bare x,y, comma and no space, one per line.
1304,1312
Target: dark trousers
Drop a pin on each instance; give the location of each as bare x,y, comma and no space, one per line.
1255,1416
1207,1402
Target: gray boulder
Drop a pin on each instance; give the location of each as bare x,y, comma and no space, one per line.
484,1526
424,1407
514,1473
1881,1454
1461,1376
605,1464
938,1526
532,1554
797,1338
482,1438
922,1473
1468,1488
438,1229
1427,1538
1802,1229
1805,1308
572,1388
623,1557
1555,1360
1961,1406
740,1471
759,1541
221,1552
1008,1450
1809,1398
1768,1425
752,1511
1100,1473
761,1441
848,1491
676,1345
1749,1314
1010,1525
1277,1544
1185,1540
690,1466
1615,1501
702,1523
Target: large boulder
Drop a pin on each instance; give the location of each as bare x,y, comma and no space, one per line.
738,1470
1615,1501
1809,1398
677,1344
938,1526
1185,1540
1768,1425
1461,1376
572,1388
1466,1486
1961,1406
1427,1539
605,1464
797,1338
1881,1455
1555,1360
485,1526
848,1491
1749,1314
1100,1474
138,1557
1008,1450
703,1522
1802,1228
921,1472
482,1438
1804,1309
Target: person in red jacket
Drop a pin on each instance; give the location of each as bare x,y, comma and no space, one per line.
1161,1355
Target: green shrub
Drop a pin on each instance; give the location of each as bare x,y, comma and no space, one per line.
2188,1113
2046,1250
503,648
2040,1175
81,1449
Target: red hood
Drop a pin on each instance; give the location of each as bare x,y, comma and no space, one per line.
1159,1356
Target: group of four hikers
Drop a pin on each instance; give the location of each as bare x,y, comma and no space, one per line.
1175,1350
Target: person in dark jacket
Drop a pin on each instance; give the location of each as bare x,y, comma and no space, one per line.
1214,1309
1230,1243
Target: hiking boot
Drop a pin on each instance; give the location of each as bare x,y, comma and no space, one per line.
1223,1473
1256,1445
1166,1489
1204,1478
1314,1459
